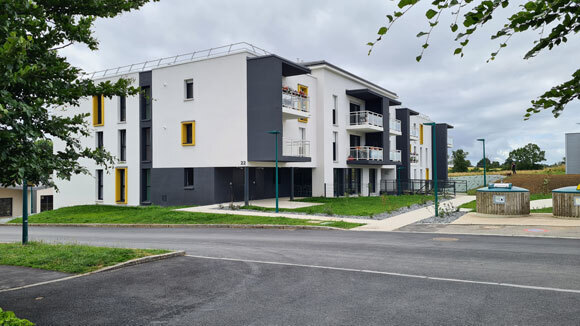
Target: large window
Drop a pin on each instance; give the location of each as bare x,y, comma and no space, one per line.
146,185
146,103
334,110
372,180
188,89
146,144
122,108
188,177
100,140
98,110
46,203
99,184
188,133
335,146
121,185
122,145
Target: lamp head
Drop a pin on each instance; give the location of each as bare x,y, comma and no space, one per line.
273,132
480,139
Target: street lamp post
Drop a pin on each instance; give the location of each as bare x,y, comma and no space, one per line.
432,124
276,132
24,212
482,140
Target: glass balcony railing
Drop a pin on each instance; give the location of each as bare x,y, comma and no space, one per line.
414,133
298,148
395,125
449,142
294,100
395,155
365,153
366,118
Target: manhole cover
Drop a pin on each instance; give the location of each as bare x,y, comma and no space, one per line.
536,230
446,239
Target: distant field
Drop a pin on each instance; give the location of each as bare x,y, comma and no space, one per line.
538,183
559,170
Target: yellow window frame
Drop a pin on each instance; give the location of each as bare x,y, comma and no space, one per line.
421,134
303,89
184,133
118,186
304,120
427,174
96,110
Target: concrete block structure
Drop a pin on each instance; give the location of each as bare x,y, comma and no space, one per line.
573,153
198,133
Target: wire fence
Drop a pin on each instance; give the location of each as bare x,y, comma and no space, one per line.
394,187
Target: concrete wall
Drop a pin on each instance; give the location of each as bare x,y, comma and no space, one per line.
16,195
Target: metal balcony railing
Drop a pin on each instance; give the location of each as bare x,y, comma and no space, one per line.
298,148
395,125
294,100
395,155
365,153
369,118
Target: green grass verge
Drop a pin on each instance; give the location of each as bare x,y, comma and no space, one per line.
542,210
472,205
161,215
67,258
354,206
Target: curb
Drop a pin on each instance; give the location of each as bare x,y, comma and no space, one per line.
132,262
189,226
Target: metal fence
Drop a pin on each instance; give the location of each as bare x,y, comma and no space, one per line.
425,187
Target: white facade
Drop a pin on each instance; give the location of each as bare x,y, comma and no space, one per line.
220,110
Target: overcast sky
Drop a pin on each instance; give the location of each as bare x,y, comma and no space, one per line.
480,99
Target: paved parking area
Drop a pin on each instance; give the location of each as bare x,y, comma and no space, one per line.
16,276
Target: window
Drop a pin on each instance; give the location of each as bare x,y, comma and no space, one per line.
122,145
188,177
372,180
303,89
145,103
99,184
188,133
122,108
189,89
46,203
146,144
98,110
334,147
302,133
121,185
427,174
334,110
421,134
146,185
100,141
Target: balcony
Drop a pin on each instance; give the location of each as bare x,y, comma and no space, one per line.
449,142
414,158
395,156
365,121
295,148
295,105
414,134
365,154
395,127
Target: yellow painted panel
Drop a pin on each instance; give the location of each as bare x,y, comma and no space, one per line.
303,89
184,135
118,185
427,174
421,134
305,120
96,110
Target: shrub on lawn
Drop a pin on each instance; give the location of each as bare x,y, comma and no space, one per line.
8,318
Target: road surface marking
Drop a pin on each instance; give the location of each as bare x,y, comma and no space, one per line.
531,287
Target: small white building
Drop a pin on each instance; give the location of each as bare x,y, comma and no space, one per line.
198,133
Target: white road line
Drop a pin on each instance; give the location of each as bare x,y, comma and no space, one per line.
531,287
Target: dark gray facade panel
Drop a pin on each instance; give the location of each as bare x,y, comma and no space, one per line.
264,107
168,187
441,134
404,142
573,153
145,79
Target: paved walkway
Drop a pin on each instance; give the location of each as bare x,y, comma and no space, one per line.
388,224
283,202
532,219
15,276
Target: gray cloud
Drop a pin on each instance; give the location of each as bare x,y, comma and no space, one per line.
480,99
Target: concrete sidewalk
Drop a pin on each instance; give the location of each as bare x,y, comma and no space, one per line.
388,224
532,219
541,203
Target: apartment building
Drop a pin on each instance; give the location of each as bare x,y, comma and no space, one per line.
209,125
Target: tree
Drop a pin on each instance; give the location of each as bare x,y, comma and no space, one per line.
35,81
562,18
527,157
495,165
487,163
460,164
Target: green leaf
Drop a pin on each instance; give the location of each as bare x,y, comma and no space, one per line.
370,44
457,51
418,58
425,45
382,31
422,34
530,6
398,14
430,13
390,18
454,27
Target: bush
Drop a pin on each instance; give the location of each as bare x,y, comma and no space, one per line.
8,318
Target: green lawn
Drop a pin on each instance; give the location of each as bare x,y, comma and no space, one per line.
67,258
355,206
472,204
161,215
542,210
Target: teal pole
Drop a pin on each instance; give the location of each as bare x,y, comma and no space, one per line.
484,165
432,124
24,212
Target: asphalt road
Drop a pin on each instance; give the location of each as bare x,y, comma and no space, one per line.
279,277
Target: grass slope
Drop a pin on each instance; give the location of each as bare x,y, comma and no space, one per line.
355,206
67,258
161,215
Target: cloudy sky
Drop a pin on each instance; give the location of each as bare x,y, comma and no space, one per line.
480,99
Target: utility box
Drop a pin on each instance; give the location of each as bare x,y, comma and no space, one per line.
566,202
503,199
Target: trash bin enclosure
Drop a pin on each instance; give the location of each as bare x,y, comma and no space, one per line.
503,199
566,202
